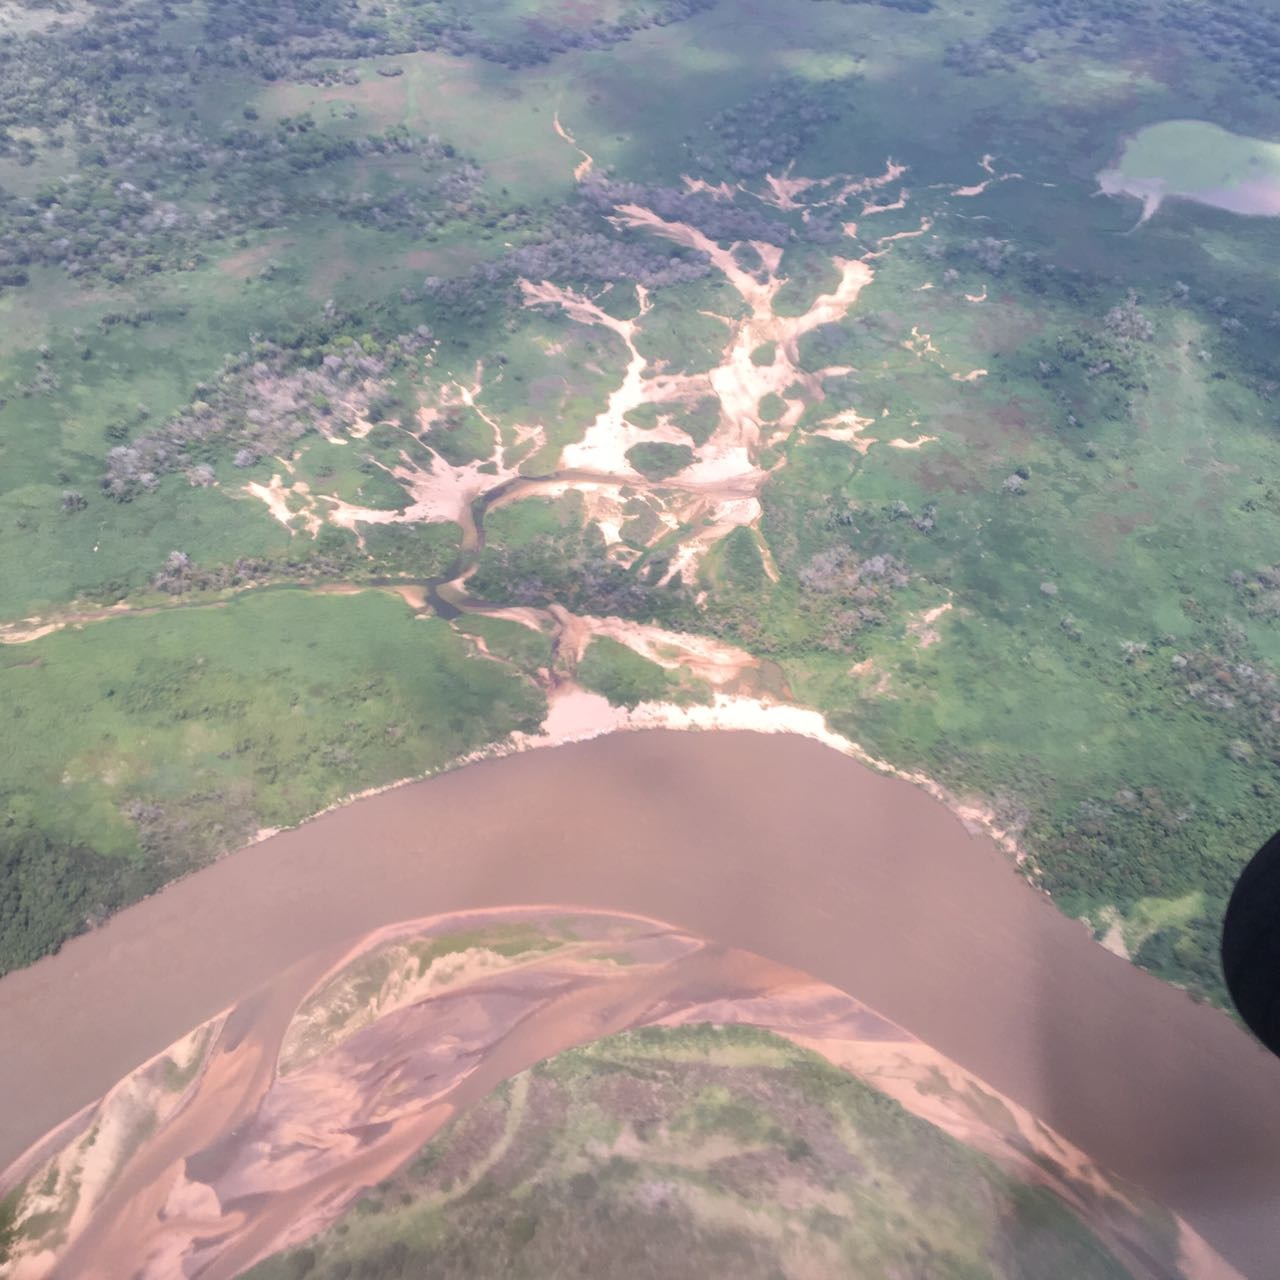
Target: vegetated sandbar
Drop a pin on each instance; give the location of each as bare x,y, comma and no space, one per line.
1199,161
775,845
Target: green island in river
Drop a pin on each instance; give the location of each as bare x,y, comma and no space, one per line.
388,386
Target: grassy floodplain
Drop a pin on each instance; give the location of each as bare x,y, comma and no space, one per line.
181,735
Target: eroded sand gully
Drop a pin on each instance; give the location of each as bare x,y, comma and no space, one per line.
587,162
717,493
321,1085
725,469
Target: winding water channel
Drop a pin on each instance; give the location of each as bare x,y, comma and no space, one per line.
775,845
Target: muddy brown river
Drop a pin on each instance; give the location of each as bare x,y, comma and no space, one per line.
775,845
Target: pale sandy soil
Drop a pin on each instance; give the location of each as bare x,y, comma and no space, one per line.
1113,939
923,628
414,597
987,164
783,191
587,163
575,714
276,496
721,191
848,427
301,1097
724,468
920,344
28,629
926,225
870,206
712,660
719,491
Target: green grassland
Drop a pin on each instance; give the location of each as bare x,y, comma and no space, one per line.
720,1152
319,233
628,679
145,746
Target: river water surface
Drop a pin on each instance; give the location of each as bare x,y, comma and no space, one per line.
776,845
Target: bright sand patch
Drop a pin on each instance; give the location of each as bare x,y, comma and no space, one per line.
724,471
587,163
719,491
1199,161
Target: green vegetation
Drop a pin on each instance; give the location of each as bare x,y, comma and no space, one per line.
8,1216
622,675
719,1152
772,407
657,460
698,420
182,733
513,642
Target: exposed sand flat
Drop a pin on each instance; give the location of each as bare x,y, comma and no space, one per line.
920,344
784,191
923,628
725,467
276,496
725,517
712,660
587,163
721,191
849,428
723,481
27,630
415,597
604,446
870,206
918,443
987,164
926,225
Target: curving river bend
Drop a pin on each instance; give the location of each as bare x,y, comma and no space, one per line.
776,845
